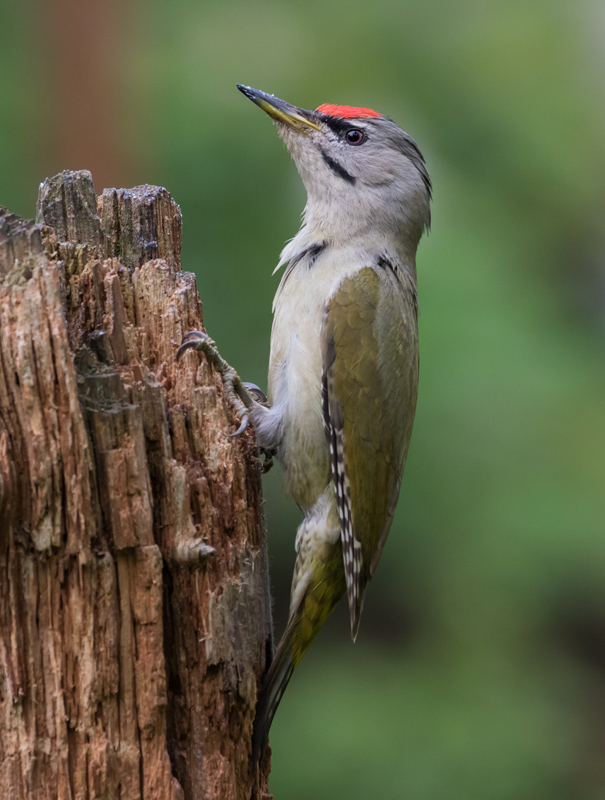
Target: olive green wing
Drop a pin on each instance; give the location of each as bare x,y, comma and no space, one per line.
369,387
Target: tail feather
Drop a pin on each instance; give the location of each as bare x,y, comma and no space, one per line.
271,693
324,587
322,594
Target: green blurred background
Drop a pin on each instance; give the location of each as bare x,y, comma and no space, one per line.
479,671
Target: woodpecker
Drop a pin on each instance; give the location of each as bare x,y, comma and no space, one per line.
343,372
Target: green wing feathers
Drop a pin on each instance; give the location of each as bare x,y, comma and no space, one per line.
370,378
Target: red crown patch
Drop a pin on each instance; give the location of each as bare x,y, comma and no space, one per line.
346,112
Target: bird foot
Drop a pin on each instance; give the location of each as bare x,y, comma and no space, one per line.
260,398
242,396
237,394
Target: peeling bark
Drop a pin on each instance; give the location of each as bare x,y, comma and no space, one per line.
134,605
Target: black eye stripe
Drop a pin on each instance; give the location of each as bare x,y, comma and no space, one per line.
341,126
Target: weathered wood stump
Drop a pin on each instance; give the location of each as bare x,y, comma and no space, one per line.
134,604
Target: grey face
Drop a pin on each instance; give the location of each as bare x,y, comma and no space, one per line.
363,168
378,147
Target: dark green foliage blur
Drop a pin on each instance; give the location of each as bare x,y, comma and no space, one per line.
479,672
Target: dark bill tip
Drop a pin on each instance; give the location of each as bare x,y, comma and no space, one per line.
247,90
279,110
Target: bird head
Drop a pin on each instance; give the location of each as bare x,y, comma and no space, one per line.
361,171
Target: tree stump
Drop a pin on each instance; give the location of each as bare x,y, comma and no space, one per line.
134,602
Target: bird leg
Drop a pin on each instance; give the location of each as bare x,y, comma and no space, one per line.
259,398
241,395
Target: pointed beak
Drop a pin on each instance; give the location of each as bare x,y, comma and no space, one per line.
280,111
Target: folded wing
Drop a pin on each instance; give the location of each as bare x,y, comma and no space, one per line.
369,387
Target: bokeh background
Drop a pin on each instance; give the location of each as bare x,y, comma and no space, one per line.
479,671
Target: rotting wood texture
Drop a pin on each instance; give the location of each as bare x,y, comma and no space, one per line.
134,604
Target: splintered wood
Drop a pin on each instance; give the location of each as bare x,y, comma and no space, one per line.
134,605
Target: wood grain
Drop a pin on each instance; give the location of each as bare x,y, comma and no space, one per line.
134,604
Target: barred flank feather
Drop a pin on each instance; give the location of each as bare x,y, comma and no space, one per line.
351,547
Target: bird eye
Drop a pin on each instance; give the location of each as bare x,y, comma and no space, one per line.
355,136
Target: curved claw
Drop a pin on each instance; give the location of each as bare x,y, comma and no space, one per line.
267,463
242,427
183,349
256,392
191,340
195,335
194,340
